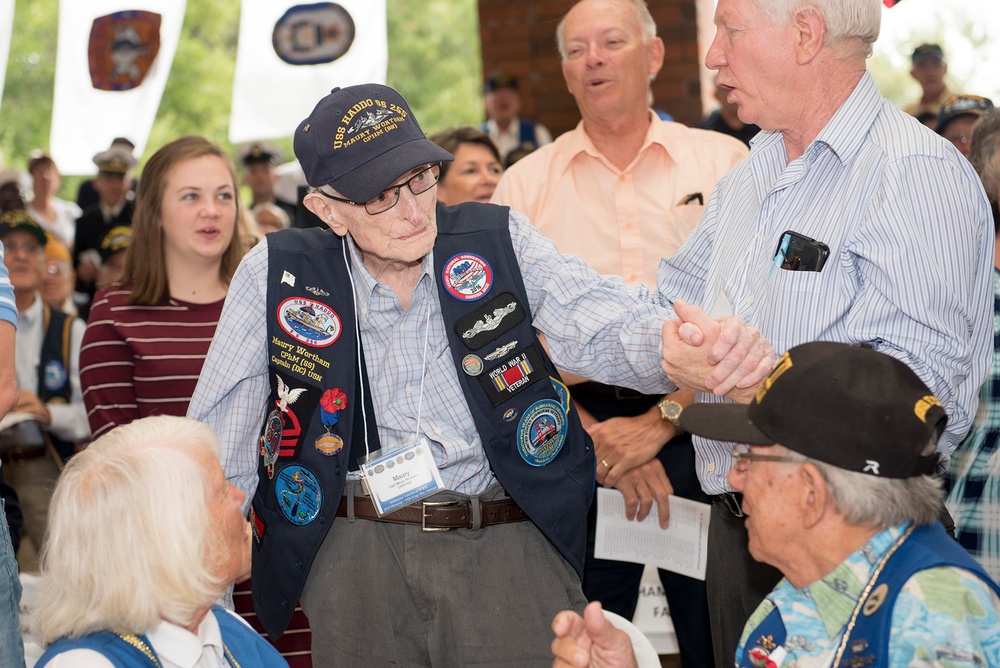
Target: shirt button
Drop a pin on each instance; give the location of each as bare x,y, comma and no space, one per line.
632,278
749,299
438,431
409,390
402,328
711,467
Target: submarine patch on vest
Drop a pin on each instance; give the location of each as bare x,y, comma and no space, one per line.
299,495
513,375
541,433
467,277
489,322
308,321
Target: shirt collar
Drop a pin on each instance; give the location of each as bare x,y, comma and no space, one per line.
33,313
658,132
365,283
848,129
180,647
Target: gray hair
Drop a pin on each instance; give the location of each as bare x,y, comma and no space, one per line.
879,503
846,20
642,16
984,151
130,539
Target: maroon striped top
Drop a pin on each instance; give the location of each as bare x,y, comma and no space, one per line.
142,360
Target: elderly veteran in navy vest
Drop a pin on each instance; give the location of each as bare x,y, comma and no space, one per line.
145,535
837,492
418,475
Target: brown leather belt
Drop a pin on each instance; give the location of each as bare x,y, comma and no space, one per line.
18,455
438,515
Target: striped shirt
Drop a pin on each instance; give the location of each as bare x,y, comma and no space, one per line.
8,309
142,360
593,325
911,254
974,476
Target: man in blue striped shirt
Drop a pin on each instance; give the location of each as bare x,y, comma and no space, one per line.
839,174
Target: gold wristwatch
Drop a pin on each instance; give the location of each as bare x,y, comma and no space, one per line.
670,411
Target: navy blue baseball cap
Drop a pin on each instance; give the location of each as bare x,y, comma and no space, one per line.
360,139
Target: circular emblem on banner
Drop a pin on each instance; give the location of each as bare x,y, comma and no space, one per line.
309,322
298,493
270,440
472,365
541,432
313,34
55,376
467,276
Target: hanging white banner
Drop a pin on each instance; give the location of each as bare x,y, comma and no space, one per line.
112,63
6,28
291,54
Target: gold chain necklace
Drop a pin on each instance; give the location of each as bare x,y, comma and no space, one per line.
867,591
136,641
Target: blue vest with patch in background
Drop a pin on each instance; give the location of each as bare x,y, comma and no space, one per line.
53,368
927,547
536,446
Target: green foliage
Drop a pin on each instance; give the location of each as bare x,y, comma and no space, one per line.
434,61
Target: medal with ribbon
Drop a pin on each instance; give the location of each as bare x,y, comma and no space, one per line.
330,404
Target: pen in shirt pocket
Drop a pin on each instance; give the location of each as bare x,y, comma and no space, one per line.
687,199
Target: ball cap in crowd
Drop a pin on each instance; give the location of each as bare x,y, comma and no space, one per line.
360,139
500,79
850,406
117,239
18,220
925,51
962,105
115,161
259,151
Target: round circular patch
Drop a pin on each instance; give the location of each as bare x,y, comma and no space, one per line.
472,365
329,444
541,433
299,495
308,321
467,276
55,375
510,415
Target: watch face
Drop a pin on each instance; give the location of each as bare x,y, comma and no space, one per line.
671,410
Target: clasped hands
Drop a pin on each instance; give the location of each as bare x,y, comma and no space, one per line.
725,356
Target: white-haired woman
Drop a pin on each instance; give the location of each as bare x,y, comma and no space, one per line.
145,534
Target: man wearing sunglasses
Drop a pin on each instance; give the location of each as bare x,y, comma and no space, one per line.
419,475
839,494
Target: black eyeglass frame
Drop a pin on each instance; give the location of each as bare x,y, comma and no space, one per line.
392,191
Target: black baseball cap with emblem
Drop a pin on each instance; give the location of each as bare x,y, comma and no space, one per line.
850,406
258,152
500,79
18,220
360,139
116,240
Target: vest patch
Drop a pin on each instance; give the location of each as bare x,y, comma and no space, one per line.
541,433
489,322
513,375
467,277
299,495
55,376
308,321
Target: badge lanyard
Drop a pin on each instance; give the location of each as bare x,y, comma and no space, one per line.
361,374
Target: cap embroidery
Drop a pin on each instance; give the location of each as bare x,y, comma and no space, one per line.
924,404
379,117
783,365
870,466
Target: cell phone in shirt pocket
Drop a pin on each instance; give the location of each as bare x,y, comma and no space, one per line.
800,253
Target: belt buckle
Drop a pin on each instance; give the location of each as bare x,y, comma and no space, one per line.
423,515
734,506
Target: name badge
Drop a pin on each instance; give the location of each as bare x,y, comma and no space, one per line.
402,477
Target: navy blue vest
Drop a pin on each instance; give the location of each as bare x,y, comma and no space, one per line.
868,644
527,138
306,443
245,644
53,368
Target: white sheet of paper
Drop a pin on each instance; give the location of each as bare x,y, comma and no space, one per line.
681,548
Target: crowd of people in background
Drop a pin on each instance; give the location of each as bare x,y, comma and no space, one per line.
115,300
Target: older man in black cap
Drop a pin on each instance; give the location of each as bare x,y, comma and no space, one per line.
837,488
929,70
417,471
502,97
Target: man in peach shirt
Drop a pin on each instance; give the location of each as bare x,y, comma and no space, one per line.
623,190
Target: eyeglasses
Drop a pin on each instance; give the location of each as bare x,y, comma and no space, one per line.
29,247
742,459
420,182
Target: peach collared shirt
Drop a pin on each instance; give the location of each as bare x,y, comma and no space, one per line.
621,221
